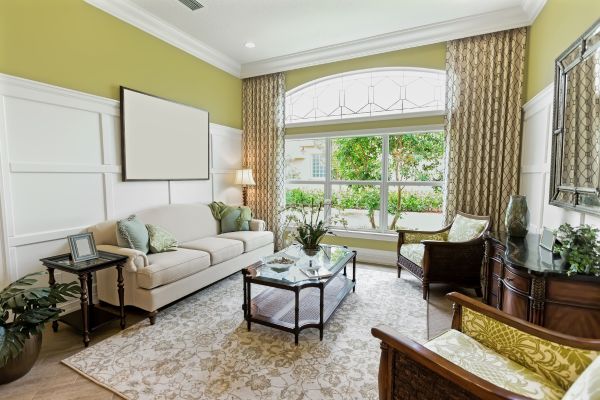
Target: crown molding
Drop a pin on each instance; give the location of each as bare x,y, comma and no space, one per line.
509,18
532,8
514,17
129,12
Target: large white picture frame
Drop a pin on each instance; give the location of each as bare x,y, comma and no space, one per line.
162,139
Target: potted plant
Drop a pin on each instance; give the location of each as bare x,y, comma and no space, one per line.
308,223
24,309
580,248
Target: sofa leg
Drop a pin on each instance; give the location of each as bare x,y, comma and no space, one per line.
478,291
152,317
399,271
425,291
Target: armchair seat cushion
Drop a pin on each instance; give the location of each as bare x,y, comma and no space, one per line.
485,363
252,239
414,252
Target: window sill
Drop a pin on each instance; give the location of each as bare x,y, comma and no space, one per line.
387,237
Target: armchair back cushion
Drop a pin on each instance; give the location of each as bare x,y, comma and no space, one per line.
559,364
483,362
464,229
416,237
587,386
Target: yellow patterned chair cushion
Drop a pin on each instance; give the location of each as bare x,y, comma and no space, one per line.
559,364
416,237
414,252
587,386
483,362
464,229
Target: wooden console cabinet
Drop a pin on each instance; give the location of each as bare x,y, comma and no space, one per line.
526,281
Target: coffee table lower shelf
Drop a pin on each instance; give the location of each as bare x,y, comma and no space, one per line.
276,308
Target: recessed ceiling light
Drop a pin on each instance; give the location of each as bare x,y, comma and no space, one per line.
249,45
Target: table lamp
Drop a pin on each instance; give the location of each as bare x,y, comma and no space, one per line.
244,177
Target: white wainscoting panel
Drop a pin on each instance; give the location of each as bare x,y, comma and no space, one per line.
60,156
535,167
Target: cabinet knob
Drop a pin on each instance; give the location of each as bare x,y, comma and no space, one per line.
508,279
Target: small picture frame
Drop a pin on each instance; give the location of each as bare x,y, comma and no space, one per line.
83,247
548,239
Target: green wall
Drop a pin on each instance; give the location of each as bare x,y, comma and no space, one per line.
558,25
431,56
71,44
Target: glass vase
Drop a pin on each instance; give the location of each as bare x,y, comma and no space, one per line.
517,216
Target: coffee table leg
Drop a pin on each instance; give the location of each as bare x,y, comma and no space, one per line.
249,306
52,282
321,308
121,290
354,271
296,316
84,308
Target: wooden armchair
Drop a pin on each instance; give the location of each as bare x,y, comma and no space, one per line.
488,354
453,254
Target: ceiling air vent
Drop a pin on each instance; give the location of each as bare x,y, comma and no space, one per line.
191,4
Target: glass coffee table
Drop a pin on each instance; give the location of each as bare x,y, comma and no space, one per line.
303,289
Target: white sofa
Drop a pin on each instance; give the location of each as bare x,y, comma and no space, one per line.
204,256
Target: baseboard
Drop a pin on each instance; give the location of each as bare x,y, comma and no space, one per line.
379,257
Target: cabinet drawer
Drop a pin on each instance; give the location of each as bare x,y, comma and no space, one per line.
516,281
515,304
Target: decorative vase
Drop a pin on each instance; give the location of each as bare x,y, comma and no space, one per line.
311,251
20,365
517,216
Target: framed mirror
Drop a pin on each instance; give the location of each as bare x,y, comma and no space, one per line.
575,164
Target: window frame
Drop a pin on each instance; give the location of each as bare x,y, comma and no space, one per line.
384,183
356,119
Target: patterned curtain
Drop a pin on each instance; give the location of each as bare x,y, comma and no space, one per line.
263,102
483,122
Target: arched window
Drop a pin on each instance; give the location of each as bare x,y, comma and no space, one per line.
373,93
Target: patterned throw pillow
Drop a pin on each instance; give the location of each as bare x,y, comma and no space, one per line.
132,233
464,229
161,240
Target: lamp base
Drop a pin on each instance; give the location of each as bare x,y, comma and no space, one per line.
244,195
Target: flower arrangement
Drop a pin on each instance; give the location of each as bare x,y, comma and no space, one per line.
580,248
308,223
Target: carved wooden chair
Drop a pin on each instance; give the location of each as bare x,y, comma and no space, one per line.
453,254
488,354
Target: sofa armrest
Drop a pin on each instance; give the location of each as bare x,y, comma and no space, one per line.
408,368
258,225
136,259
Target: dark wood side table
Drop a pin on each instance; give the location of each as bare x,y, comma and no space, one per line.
90,317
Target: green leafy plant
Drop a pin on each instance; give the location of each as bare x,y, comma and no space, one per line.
24,309
308,223
580,248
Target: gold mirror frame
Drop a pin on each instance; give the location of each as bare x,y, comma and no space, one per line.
575,163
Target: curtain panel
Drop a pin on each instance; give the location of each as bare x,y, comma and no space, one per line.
483,123
263,115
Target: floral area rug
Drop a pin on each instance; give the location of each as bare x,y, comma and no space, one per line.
200,348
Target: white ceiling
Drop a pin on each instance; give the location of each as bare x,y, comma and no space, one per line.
295,33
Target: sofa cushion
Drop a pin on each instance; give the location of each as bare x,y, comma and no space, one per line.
185,221
464,228
171,266
414,252
483,362
252,239
220,249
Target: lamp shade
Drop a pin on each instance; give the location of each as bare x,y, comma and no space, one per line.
244,177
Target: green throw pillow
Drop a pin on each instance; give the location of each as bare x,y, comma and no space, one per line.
230,221
161,240
132,233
